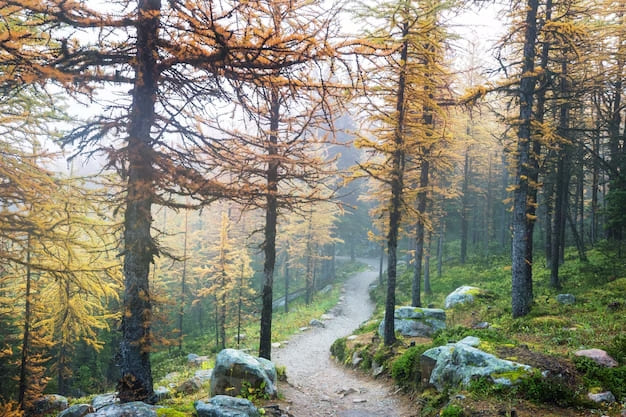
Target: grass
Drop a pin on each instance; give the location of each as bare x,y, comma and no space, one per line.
551,330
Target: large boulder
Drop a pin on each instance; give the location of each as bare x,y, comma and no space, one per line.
234,367
599,356
103,400
51,403
77,410
132,409
225,406
462,295
416,322
456,364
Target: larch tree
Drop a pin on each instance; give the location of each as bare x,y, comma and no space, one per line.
173,57
399,107
276,161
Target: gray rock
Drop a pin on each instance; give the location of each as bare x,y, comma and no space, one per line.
356,358
599,356
470,341
481,325
233,367
77,410
326,289
377,369
190,386
566,298
327,317
48,403
461,295
455,364
276,345
103,400
204,375
162,393
195,360
416,322
317,323
225,406
171,376
602,397
133,409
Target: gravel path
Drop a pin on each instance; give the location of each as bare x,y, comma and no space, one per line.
314,379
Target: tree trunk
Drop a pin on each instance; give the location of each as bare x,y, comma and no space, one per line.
380,264
419,235
397,185
309,262
287,280
271,216
465,212
135,383
427,289
442,232
505,239
562,185
523,223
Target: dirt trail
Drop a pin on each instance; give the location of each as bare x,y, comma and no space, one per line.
314,379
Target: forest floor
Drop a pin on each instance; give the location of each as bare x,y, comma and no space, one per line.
316,385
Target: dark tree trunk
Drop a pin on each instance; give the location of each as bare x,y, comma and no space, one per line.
427,289
505,239
465,211
561,185
380,264
595,180
397,185
287,279
309,262
523,223
442,231
135,383
419,235
271,216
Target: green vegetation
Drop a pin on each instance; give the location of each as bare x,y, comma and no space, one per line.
544,339
452,410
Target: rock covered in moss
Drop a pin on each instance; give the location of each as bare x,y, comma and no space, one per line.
456,364
77,410
462,295
225,406
132,409
416,322
103,400
47,404
234,367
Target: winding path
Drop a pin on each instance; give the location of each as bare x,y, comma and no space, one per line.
314,379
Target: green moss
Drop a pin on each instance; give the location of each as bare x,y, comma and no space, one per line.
405,370
338,349
610,379
170,412
514,376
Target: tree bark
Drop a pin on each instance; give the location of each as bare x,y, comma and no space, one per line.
397,185
419,235
523,223
271,216
183,284
465,206
135,383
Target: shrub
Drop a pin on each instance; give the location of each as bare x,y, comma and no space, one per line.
452,410
405,370
611,379
338,349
